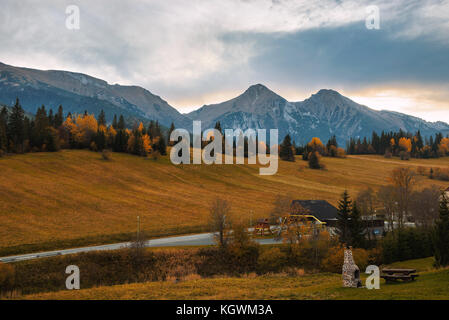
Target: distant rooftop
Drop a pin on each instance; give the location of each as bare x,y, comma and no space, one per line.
321,209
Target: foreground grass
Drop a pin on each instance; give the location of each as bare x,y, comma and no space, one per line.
431,284
74,198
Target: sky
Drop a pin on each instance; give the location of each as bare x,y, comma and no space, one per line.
200,52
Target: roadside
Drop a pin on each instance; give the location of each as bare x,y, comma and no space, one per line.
201,239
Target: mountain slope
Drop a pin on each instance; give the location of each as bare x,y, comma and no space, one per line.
78,92
324,114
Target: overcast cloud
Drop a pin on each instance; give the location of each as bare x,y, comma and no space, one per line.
205,51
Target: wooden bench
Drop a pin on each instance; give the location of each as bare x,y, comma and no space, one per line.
393,275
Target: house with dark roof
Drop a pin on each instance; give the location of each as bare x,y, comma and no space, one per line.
320,209
327,213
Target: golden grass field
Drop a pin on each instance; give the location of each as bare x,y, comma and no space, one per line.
60,198
432,284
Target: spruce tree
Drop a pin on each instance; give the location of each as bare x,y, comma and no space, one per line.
161,145
121,123
114,122
343,216
59,117
151,130
102,118
172,128
441,234
356,227
286,149
16,132
3,126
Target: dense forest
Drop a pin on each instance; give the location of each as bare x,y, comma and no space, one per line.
49,131
402,144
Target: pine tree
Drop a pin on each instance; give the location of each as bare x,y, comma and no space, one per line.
441,234
218,127
314,160
151,130
102,118
59,117
161,146
172,128
343,216
114,122
121,123
286,149
357,230
3,127
16,132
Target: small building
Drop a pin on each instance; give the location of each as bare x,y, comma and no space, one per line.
327,213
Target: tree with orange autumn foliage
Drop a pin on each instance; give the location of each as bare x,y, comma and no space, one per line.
443,148
405,144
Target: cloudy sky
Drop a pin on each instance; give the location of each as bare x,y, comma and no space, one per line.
198,52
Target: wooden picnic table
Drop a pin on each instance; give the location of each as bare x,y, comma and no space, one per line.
392,275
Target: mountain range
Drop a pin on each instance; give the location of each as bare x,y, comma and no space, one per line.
324,114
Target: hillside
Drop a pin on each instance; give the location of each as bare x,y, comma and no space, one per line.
432,284
78,92
73,198
323,115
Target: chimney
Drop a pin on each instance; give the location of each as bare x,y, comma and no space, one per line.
351,273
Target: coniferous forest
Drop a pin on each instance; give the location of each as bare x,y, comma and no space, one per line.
49,131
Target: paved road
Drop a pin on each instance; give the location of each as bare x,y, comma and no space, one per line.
202,239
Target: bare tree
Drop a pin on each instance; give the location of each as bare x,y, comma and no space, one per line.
403,181
220,221
366,202
386,197
282,206
425,205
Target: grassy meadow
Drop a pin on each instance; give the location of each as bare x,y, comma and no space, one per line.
432,284
74,197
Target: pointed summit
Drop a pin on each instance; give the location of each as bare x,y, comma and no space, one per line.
257,89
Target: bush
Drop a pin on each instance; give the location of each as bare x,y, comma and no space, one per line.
155,155
106,155
334,261
271,260
7,278
388,155
442,174
404,155
315,161
407,244
93,146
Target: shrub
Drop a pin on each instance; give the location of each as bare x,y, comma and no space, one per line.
93,146
404,155
421,171
7,278
442,174
315,160
271,260
106,155
341,153
155,155
334,261
388,154
406,244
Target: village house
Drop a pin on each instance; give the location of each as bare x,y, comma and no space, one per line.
326,213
